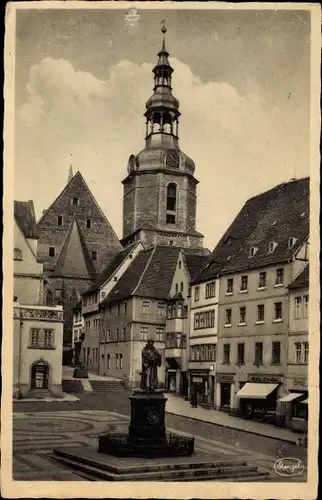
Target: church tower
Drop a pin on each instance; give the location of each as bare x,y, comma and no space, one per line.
159,194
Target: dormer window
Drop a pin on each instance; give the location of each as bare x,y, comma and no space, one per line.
252,251
59,220
88,223
75,202
271,247
291,242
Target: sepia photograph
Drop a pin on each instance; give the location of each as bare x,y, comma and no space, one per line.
161,249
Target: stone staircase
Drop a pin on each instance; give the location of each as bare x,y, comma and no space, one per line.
106,385
95,466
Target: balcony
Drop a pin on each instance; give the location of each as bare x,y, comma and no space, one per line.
173,352
174,325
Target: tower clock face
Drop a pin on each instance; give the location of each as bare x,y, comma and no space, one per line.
172,159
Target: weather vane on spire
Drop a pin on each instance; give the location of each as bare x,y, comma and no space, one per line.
163,28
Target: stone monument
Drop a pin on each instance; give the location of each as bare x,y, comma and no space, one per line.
147,436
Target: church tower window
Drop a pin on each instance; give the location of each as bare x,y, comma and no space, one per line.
94,255
171,203
88,223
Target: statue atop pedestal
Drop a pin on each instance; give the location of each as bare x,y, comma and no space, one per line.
151,360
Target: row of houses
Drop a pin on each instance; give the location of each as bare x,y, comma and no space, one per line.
231,325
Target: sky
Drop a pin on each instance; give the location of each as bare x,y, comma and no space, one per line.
83,77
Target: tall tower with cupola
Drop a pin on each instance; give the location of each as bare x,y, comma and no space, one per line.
159,199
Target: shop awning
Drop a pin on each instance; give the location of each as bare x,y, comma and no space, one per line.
256,391
305,402
290,397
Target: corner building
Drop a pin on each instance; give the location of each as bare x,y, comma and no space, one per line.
262,252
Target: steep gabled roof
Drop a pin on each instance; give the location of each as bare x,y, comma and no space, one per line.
157,279
302,280
24,214
129,279
150,275
74,258
196,264
113,264
274,216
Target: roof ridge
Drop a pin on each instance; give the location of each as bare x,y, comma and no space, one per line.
145,270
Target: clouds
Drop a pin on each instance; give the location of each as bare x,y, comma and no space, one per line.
101,123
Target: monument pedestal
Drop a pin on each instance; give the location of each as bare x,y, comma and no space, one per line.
147,436
147,417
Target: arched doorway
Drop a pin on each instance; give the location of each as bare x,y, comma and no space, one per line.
39,375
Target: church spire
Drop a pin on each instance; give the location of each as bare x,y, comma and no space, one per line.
70,173
162,109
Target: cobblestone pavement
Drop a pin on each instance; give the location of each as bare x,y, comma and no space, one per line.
35,434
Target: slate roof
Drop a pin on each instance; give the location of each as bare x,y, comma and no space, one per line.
157,279
111,267
24,214
149,275
129,280
58,270
275,215
302,280
196,264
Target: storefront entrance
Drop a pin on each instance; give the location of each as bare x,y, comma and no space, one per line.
225,394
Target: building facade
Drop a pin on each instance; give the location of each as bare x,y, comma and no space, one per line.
260,254
134,312
37,350
28,271
294,405
75,243
91,299
203,338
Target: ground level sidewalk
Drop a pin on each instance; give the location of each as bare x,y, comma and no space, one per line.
178,406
